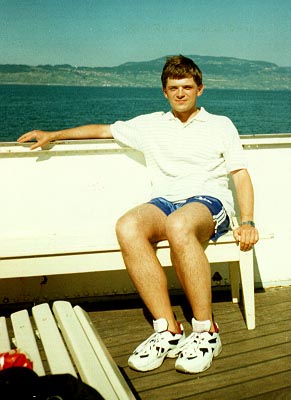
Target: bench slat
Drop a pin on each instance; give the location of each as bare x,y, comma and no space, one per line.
59,245
50,244
99,261
87,363
56,244
4,337
113,373
25,339
54,347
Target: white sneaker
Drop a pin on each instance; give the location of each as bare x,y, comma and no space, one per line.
198,349
151,353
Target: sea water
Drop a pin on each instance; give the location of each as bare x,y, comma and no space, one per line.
26,107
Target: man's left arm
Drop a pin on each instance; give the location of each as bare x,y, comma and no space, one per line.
246,234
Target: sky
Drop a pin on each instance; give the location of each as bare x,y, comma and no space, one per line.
112,32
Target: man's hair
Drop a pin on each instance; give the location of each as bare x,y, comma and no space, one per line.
180,67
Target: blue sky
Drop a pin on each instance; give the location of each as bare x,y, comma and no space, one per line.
111,32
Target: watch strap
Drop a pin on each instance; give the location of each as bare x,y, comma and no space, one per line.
251,223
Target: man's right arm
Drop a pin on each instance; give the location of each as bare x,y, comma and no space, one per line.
42,138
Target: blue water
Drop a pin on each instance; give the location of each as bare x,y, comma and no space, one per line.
24,108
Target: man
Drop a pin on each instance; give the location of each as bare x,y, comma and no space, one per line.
189,154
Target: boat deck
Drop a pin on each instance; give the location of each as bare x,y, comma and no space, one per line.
253,364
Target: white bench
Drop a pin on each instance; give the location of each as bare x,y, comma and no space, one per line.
71,345
53,255
59,208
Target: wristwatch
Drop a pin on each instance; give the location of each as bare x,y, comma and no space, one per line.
251,223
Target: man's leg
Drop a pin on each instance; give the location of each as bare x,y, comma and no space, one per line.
136,231
186,229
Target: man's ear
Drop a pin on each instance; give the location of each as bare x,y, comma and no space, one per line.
200,90
165,93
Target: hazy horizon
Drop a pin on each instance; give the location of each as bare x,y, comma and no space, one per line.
106,33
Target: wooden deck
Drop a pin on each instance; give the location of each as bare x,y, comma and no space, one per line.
253,364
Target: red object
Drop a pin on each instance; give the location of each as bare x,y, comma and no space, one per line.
14,358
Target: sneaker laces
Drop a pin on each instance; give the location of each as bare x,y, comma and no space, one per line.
193,339
193,342
153,341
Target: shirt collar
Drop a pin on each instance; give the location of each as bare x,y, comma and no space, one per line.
202,116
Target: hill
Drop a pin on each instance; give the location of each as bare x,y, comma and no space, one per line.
218,72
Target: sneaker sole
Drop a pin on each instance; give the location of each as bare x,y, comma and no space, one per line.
181,368
156,364
149,367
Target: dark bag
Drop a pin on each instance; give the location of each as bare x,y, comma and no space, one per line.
18,383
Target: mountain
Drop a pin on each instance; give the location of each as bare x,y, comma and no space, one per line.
218,72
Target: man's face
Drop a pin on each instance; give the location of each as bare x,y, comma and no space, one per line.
182,94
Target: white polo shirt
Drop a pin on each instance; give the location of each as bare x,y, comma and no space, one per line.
185,160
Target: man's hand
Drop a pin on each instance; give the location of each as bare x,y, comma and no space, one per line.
92,131
247,236
41,137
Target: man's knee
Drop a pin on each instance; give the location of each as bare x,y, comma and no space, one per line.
126,227
177,228
181,228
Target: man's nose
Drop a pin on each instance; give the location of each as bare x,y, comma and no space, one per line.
180,92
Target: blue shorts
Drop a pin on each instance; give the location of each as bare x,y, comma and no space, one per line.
214,205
